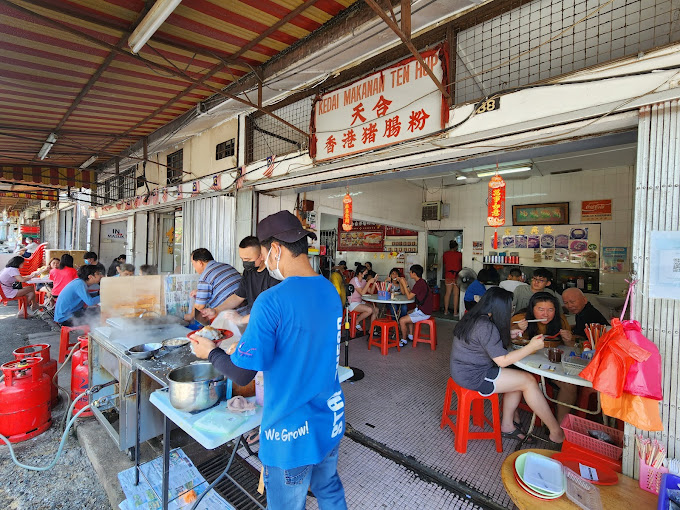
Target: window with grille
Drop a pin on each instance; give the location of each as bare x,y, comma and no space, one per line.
120,187
266,136
224,149
175,164
547,38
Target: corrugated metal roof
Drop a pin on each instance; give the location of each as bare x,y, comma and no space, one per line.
65,67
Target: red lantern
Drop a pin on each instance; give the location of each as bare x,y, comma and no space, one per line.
496,206
347,213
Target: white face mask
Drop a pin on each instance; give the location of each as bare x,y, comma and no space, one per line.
274,273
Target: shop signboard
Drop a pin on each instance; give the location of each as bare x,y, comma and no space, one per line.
362,237
390,106
596,210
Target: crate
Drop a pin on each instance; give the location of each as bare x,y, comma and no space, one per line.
576,431
668,481
650,477
572,365
588,456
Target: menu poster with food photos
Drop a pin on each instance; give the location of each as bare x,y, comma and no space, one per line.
177,288
575,246
363,237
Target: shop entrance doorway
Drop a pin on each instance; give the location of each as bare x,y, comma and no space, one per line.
438,242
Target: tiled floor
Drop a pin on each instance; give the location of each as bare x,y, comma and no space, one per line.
399,404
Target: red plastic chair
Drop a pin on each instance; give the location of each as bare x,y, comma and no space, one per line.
35,261
22,302
64,344
418,336
353,316
586,396
383,340
470,400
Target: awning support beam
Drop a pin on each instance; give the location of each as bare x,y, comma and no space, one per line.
406,39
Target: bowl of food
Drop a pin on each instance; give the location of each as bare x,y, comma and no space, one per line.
551,343
214,334
175,343
518,343
144,351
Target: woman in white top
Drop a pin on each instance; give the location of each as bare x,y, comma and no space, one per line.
11,275
361,287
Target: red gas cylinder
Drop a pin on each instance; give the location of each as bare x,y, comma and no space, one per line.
50,365
24,400
80,375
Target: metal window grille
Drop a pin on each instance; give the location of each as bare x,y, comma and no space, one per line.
120,187
267,136
224,149
534,41
175,164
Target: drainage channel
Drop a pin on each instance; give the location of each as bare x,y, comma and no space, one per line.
424,472
241,471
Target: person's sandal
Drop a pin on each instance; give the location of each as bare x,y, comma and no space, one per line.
515,435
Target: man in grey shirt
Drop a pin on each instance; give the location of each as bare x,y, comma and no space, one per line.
540,282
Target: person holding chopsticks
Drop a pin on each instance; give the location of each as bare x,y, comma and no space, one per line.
362,287
542,317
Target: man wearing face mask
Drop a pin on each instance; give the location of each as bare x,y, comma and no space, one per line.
255,280
303,419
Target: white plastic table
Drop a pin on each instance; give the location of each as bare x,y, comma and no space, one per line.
38,281
538,363
395,303
213,437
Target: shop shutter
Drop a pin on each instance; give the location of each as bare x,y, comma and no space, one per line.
208,223
657,207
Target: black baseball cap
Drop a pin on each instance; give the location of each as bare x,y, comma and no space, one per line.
283,226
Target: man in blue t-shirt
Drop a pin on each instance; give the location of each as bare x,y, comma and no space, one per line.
298,349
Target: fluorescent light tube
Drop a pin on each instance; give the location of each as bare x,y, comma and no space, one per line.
47,146
89,162
506,171
151,22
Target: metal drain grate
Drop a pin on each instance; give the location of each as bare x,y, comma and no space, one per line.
244,474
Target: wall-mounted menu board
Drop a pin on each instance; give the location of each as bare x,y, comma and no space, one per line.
362,237
561,246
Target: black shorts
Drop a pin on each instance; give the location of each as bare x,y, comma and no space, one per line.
488,387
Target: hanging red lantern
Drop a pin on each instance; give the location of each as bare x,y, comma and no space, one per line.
496,206
347,213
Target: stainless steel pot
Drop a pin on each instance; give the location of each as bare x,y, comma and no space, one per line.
195,387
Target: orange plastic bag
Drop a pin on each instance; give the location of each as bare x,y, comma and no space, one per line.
613,358
640,412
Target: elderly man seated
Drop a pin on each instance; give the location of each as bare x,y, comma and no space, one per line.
585,312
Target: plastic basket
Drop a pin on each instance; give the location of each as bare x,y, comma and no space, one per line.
581,492
572,365
650,477
576,431
384,294
668,481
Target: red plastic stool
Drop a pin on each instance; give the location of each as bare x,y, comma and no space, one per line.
64,344
585,397
383,340
353,316
470,400
432,334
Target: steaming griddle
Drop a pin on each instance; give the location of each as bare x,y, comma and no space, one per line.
149,322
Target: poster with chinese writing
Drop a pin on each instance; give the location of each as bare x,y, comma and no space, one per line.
396,104
177,288
362,237
596,210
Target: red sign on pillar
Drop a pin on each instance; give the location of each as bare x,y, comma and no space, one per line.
496,206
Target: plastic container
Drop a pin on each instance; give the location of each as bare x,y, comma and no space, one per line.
572,365
384,294
650,477
581,492
668,481
543,473
576,431
589,457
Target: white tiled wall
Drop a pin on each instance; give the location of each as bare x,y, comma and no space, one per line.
468,208
398,203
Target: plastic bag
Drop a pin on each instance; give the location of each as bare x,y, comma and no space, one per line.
613,358
644,378
640,412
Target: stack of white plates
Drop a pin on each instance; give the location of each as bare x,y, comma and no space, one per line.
540,476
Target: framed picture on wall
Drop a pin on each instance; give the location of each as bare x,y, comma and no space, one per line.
541,214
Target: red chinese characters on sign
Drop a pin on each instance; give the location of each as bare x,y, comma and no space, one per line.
330,144
392,127
347,213
381,106
496,205
349,138
369,133
356,115
417,120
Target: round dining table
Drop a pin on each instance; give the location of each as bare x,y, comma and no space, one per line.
625,494
395,302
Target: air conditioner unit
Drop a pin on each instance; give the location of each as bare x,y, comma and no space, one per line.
431,211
